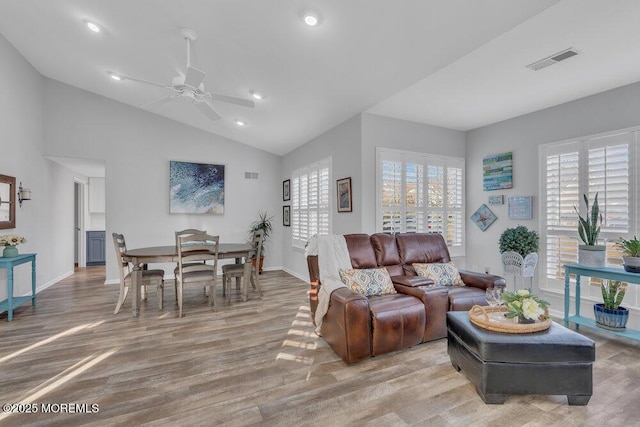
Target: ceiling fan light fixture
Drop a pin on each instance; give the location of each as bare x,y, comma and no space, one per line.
255,94
311,18
92,26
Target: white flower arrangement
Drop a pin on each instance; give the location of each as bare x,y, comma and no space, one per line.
524,303
11,240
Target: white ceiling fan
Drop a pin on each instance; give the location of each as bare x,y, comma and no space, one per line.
190,86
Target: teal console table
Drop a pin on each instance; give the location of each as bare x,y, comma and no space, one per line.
12,302
604,273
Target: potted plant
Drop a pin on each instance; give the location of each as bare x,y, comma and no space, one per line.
590,254
264,223
631,250
519,247
609,314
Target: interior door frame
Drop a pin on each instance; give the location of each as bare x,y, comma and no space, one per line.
81,208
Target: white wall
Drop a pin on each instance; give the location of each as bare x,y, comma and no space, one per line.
342,144
137,146
611,110
43,220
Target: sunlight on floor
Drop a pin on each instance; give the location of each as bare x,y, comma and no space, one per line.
294,335
50,339
60,379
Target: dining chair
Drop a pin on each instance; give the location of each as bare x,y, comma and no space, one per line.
230,271
149,277
197,264
185,232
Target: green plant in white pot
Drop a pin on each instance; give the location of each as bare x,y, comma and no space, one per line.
519,251
631,257
590,254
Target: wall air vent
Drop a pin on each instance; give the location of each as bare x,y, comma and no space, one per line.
553,59
251,175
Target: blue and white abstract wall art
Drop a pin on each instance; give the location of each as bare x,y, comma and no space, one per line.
196,188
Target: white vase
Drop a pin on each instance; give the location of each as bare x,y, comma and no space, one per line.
592,255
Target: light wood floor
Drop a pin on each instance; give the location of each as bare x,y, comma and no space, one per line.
256,362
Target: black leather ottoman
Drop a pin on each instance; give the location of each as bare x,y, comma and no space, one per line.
555,361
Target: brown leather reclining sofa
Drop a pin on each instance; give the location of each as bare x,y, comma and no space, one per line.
357,327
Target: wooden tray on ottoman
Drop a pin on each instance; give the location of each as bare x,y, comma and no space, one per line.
481,316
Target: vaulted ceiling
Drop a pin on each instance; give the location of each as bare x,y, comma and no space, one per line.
453,63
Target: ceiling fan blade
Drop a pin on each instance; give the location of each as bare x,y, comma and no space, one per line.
208,111
158,101
142,81
232,100
194,77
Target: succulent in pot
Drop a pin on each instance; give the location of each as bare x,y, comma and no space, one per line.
610,314
631,250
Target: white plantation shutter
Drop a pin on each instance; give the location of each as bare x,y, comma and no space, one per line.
310,212
417,192
600,165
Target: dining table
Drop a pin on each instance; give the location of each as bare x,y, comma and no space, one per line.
139,257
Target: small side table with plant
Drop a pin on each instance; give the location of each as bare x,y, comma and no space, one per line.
519,252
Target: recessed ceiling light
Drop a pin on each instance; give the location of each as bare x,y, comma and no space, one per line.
311,19
114,76
256,95
239,122
92,26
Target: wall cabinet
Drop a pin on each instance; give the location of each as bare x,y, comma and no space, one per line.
95,248
96,195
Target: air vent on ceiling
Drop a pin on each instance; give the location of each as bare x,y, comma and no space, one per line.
553,59
251,175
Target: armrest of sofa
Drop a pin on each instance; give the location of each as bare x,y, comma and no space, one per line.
347,325
481,280
411,281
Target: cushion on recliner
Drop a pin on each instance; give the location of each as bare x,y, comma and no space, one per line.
368,281
361,251
443,274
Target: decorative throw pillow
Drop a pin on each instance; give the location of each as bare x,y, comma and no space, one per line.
443,274
368,281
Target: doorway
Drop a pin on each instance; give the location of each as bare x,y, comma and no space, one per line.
78,224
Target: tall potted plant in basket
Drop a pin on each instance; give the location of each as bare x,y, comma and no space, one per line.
519,248
264,223
609,314
590,254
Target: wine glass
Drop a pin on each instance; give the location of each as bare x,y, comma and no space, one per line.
491,300
497,295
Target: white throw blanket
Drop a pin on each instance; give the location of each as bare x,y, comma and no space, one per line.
333,256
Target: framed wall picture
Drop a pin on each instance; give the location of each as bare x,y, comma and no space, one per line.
483,217
497,172
286,190
344,194
520,207
286,216
496,200
196,188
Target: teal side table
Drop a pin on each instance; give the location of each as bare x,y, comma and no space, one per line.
12,302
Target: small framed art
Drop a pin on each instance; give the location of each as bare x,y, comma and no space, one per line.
286,190
483,217
286,216
496,200
344,195
520,207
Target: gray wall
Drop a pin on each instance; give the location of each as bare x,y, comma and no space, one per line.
43,221
615,109
137,147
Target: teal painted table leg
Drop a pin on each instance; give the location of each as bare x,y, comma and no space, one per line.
577,295
33,282
567,279
10,293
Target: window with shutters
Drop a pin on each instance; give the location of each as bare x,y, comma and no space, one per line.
310,210
603,164
418,193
